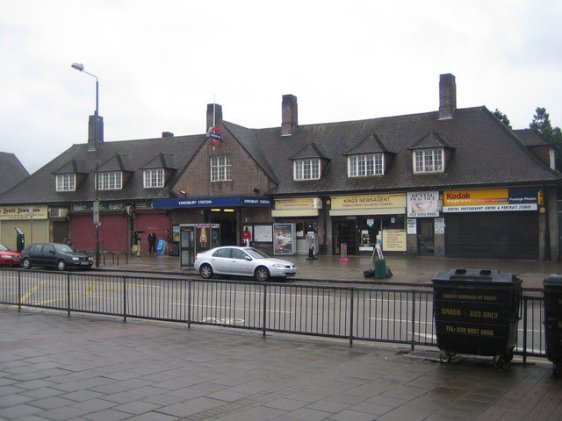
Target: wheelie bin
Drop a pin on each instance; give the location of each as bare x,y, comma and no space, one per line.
553,321
476,311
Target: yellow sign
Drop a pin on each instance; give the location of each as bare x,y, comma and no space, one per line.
298,203
476,197
375,201
394,240
10,213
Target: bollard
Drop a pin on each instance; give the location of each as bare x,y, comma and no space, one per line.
344,257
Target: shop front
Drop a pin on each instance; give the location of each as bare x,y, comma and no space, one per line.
425,229
31,220
229,213
298,223
360,221
493,223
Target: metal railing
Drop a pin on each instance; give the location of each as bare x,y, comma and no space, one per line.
393,315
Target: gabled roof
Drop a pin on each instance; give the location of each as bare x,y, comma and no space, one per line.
370,144
11,171
431,140
310,151
164,161
74,166
129,155
531,137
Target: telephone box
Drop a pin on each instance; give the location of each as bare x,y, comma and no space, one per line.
196,238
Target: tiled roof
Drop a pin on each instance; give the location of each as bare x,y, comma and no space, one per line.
131,155
11,171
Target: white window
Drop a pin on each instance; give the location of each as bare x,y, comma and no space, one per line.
306,169
66,182
221,168
110,180
428,160
153,178
365,165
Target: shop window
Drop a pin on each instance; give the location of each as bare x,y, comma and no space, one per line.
365,165
306,169
221,168
153,178
428,160
66,182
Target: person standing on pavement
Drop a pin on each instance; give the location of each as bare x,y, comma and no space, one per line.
136,250
152,243
247,237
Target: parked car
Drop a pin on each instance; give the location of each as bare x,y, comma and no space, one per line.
9,257
242,261
59,256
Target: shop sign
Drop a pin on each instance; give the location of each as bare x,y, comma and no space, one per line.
375,201
394,240
423,204
298,203
490,200
8,213
412,226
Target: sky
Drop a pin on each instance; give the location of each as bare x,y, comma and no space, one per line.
160,62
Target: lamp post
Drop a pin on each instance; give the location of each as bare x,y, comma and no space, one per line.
97,139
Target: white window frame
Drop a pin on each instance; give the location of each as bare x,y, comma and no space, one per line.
109,180
221,168
153,178
365,165
65,182
428,160
306,169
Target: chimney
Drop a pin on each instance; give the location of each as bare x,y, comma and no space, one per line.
167,134
214,114
290,115
447,96
95,131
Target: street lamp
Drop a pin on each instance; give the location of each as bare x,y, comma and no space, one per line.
97,139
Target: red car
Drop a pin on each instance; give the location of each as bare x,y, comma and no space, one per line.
9,257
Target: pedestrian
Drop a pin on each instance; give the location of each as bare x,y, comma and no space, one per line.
152,243
247,237
136,250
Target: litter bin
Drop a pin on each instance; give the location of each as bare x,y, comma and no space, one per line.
476,312
553,320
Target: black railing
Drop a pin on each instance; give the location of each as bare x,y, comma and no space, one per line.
396,315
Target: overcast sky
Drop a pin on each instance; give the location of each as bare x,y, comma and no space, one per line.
160,62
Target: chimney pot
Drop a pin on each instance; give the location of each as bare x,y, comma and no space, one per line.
447,96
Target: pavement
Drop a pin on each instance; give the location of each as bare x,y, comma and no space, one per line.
86,367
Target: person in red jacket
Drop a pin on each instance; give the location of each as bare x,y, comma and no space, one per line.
247,237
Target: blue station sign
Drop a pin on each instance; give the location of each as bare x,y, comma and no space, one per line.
213,202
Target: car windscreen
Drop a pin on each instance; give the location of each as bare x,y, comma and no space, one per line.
3,247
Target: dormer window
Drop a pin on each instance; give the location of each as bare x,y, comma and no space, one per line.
428,160
65,182
306,169
153,178
109,180
365,165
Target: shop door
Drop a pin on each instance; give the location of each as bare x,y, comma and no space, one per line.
345,232
425,237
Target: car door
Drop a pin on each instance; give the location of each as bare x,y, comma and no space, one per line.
239,264
49,255
221,261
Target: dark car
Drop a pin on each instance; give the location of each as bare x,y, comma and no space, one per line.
9,257
59,256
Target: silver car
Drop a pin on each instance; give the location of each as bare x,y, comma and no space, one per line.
242,261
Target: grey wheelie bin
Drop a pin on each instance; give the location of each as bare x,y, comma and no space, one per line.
476,312
553,320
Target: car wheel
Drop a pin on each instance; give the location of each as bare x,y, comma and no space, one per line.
26,263
206,271
61,265
262,274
